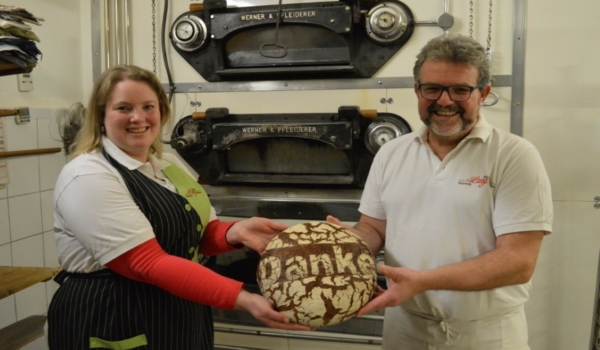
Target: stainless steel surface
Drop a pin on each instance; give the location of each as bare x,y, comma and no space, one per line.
518,66
285,202
107,34
305,336
228,347
317,194
126,33
363,330
96,39
493,98
313,84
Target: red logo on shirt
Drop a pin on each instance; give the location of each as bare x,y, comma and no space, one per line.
192,192
476,180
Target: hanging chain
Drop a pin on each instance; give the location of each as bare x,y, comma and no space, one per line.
154,36
489,38
471,19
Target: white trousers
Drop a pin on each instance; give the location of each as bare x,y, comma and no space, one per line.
407,331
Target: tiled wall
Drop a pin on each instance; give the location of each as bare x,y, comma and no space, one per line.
26,212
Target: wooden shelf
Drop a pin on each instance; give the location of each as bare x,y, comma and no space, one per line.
14,279
23,332
10,69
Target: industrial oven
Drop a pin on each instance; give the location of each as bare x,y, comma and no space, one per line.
292,168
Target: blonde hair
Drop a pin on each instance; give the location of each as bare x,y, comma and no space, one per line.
89,138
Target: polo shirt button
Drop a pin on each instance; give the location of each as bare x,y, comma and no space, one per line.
199,228
188,207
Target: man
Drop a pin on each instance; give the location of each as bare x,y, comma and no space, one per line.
461,208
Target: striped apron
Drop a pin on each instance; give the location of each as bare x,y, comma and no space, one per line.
107,311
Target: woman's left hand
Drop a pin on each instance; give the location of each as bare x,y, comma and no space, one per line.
262,310
254,233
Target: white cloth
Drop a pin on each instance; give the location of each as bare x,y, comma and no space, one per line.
7,24
444,212
95,217
508,331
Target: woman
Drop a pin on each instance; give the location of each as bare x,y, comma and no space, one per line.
130,224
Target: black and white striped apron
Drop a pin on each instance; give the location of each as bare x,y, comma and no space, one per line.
105,310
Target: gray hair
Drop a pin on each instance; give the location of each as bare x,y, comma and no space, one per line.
455,48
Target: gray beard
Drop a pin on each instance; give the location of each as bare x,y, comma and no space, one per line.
448,129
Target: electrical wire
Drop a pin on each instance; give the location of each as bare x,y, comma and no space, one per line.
164,51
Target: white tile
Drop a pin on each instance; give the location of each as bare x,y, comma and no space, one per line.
5,255
24,173
31,301
19,137
25,216
49,133
29,251
50,166
47,201
7,311
41,113
50,253
38,344
4,222
3,191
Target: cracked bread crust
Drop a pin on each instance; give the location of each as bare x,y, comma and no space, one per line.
318,274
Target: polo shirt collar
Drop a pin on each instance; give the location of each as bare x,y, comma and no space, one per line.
128,162
482,131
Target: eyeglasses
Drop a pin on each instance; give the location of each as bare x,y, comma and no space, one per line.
455,92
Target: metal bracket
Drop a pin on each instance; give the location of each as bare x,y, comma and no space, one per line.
444,21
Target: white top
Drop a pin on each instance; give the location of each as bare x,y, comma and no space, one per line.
444,212
95,216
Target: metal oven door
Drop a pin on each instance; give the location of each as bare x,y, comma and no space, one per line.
310,150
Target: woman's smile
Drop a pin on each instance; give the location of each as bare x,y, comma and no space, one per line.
132,118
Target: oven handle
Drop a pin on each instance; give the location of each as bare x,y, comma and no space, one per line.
365,341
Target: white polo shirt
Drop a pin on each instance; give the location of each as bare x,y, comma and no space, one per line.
95,217
444,212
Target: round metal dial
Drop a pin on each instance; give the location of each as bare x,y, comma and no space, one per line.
386,22
383,130
188,32
383,135
184,31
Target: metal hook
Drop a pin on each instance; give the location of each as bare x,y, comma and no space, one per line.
491,103
274,44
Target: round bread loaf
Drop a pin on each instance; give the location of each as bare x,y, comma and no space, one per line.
318,274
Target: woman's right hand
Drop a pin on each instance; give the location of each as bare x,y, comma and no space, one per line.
262,310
